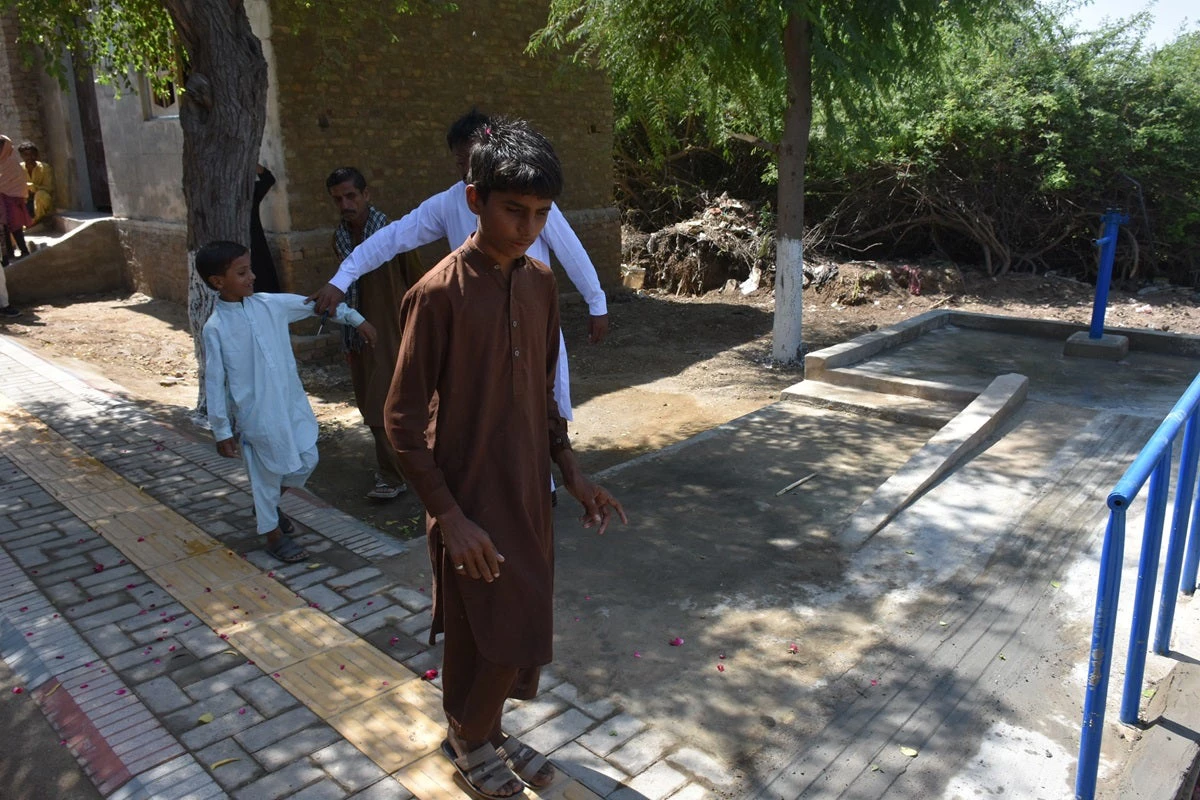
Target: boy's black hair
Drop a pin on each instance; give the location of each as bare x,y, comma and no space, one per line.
465,127
343,174
215,257
26,145
510,156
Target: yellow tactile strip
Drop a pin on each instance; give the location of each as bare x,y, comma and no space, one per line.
374,702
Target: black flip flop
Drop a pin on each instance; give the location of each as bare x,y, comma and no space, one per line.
287,551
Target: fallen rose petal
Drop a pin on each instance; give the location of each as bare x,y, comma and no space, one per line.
793,649
120,691
721,656
17,690
98,568
677,641
242,710
141,538
341,666
23,608
720,667
430,674
637,653
83,686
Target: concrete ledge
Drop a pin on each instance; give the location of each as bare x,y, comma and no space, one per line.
863,347
900,408
1109,347
86,260
909,387
871,344
940,454
1162,763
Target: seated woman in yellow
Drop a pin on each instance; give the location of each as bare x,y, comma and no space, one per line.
40,183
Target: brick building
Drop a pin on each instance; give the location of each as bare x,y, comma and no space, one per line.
381,101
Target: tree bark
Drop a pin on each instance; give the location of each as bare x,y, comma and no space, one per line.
222,111
793,150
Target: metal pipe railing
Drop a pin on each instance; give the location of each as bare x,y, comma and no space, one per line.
1153,463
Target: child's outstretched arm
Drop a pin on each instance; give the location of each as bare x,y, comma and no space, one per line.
346,315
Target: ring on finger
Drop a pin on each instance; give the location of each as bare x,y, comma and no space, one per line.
460,566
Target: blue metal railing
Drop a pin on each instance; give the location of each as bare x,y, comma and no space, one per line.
1153,463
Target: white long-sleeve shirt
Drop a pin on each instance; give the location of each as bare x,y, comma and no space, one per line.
447,215
250,376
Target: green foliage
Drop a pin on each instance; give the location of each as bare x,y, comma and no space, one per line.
1024,140
117,39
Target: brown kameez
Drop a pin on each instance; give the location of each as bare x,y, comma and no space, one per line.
485,349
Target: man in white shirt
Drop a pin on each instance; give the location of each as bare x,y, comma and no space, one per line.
446,215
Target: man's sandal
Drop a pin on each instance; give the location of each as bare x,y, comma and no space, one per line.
483,770
530,765
287,551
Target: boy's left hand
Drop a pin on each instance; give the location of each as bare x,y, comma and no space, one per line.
229,447
368,332
598,504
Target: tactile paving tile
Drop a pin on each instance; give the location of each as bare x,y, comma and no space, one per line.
83,484
434,778
106,504
279,641
341,678
132,527
203,573
393,732
245,602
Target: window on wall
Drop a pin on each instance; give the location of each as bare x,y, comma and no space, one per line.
161,102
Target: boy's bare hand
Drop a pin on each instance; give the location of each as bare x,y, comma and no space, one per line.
598,504
229,448
597,328
368,332
326,299
469,547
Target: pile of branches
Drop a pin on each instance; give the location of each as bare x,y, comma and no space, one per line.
893,210
724,242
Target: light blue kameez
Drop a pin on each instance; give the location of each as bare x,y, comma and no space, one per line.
252,385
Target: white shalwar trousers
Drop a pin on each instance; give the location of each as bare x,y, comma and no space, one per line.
267,486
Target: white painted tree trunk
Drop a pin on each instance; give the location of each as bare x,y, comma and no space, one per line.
789,300
793,150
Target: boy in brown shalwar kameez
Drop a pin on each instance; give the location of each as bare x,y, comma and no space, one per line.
480,333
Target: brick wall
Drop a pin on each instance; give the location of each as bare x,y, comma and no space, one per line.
156,258
384,107
20,95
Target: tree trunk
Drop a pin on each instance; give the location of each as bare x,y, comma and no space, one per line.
222,112
797,120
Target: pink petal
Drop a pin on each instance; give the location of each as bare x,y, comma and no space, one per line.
98,568
17,690
275,674
793,649
241,710
83,686
677,641
120,691
637,653
720,667
141,538
430,674
23,608
722,656
343,666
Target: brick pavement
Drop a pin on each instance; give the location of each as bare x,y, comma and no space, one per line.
177,660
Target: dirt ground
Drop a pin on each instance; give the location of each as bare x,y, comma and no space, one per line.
671,366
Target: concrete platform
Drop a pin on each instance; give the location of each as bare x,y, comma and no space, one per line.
728,643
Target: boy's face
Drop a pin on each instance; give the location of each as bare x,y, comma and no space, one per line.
352,203
509,223
237,282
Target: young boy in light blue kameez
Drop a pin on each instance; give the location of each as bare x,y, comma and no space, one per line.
251,383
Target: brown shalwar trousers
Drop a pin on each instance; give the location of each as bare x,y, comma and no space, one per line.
473,688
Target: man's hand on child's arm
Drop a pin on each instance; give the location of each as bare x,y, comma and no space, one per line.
597,328
326,299
470,548
598,503
229,448
368,332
